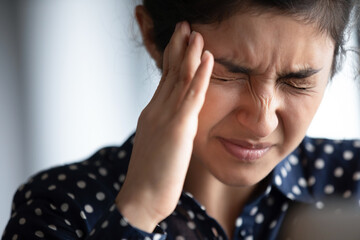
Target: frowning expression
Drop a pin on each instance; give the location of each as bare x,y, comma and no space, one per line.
269,78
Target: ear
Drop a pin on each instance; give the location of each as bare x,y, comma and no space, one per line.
146,26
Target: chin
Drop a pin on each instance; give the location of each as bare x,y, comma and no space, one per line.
238,178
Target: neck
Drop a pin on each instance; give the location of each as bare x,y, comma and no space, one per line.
222,202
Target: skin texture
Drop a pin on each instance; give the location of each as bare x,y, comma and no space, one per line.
166,130
258,107
181,133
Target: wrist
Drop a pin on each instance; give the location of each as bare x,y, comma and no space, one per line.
137,212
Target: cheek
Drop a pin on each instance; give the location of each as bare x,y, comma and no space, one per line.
219,103
301,109
298,111
296,117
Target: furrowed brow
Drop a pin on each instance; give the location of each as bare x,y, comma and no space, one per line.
301,74
232,67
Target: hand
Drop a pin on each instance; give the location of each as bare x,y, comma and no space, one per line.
166,131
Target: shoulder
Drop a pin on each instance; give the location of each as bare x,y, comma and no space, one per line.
331,166
75,194
105,168
327,154
329,148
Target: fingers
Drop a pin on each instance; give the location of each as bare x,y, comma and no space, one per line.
195,96
177,46
163,78
192,57
165,65
173,58
186,72
191,62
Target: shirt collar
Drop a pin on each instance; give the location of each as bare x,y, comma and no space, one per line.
289,177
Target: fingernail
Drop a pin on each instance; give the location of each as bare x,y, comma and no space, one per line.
192,37
206,54
177,26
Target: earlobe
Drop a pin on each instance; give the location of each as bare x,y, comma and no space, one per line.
146,27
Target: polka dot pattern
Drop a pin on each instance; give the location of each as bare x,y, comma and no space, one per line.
356,176
319,164
347,194
348,155
311,181
64,207
278,180
62,177
100,196
239,222
79,233
329,189
259,218
273,224
302,182
83,194
338,172
309,147
72,196
329,149
89,208
39,234
293,160
81,184
296,190
53,227
22,221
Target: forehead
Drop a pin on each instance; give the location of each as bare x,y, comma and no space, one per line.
267,41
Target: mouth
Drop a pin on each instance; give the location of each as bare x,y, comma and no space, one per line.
245,151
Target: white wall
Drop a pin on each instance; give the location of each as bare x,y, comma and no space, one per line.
11,144
86,79
80,83
72,80
339,113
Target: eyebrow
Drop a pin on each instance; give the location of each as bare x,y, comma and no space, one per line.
301,74
234,68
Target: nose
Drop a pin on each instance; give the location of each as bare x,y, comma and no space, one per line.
258,113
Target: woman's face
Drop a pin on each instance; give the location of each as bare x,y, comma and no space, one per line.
269,77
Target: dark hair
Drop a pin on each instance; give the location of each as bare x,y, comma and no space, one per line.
331,16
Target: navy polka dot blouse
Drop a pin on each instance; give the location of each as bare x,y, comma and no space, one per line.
76,201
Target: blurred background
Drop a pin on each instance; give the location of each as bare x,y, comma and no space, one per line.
74,78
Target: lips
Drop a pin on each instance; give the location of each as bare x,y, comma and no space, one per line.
245,151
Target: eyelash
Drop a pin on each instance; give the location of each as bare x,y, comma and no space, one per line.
284,83
299,89
296,88
226,79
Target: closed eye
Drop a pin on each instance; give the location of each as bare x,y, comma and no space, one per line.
296,87
301,86
226,79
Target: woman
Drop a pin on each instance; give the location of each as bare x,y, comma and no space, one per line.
220,151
